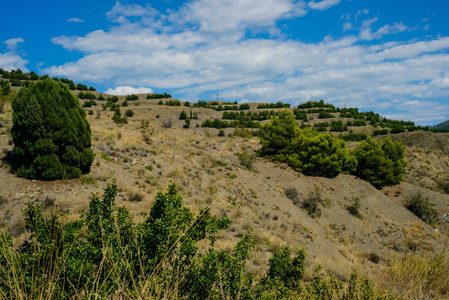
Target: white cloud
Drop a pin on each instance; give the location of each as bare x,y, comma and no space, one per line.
219,16
75,20
366,32
322,5
10,61
11,44
120,13
347,26
128,90
200,49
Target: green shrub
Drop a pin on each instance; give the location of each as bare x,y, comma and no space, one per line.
380,164
183,115
129,113
51,135
117,117
132,97
187,123
106,255
305,150
287,270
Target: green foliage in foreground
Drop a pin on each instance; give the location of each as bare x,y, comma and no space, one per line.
51,135
105,254
321,154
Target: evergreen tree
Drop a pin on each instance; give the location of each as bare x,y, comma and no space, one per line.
51,135
305,150
380,163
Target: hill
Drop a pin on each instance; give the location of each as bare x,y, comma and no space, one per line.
217,167
444,125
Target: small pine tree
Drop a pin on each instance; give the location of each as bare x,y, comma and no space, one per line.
183,115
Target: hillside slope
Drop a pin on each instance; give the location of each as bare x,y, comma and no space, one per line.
444,125
268,198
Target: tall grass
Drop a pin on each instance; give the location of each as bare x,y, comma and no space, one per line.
420,277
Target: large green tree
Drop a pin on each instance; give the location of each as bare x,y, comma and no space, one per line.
51,135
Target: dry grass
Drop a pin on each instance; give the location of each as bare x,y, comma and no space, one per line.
420,276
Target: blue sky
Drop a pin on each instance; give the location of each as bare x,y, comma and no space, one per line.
391,57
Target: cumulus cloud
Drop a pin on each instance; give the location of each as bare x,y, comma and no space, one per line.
221,16
121,13
128,90
322,5
75,20
12,61
201,49
11,44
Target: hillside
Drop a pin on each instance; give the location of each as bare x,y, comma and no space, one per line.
444,125
210,170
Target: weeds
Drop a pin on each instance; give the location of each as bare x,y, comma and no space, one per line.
87,180
421,277
246,159
312,203
354,209
420,206
135,197
292,194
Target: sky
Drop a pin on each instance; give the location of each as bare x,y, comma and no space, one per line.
390,57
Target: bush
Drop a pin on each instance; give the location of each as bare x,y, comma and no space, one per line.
420,206
129,113
187,124
305,150
292,194
106,255
51,135
117,117
246,159
183,115
380,164
132,97
312,203
354,208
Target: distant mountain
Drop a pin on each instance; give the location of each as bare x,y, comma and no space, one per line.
444,125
